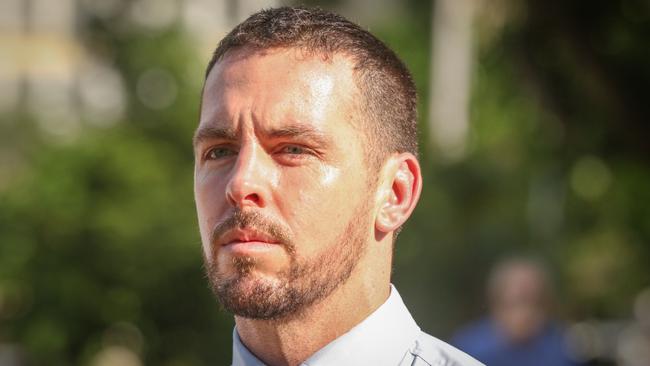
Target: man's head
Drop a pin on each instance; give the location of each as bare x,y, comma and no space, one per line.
519,293
387,103
305,158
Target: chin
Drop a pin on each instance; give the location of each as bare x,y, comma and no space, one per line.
256,296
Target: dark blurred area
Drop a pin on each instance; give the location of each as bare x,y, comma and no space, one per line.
534,120
520,328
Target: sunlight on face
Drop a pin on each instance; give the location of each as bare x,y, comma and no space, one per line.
280,181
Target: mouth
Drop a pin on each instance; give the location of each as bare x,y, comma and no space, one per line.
246,242
243,236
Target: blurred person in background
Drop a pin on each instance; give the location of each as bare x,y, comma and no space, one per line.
305,170
519,329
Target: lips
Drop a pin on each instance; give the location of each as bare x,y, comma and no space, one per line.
244,236
249,243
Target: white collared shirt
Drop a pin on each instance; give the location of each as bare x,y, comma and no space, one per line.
388,336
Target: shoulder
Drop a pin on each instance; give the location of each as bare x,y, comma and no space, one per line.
432,351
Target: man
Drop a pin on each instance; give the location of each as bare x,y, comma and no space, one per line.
519,330
305,171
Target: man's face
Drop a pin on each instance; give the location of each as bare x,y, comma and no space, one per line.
281,185
520,303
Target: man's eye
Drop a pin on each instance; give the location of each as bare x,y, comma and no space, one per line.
219,153
294,150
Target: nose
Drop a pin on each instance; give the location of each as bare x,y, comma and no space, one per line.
249,181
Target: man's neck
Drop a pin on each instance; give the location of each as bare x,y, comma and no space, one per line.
290,342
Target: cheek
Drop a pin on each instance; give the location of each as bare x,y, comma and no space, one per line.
329,175
312,190
208,196
209,188
319,204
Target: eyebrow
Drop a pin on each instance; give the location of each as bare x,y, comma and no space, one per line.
302,131
296,130
213,133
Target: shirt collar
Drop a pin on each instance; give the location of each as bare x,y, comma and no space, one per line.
241,356
384,337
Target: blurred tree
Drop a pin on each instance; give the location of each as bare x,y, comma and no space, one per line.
99,246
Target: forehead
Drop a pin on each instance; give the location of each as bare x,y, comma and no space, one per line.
279,85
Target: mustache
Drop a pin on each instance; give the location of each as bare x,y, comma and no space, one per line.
240,219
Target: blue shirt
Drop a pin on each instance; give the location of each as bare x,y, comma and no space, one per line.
388,336
486,342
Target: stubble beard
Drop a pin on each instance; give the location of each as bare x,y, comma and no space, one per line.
305,283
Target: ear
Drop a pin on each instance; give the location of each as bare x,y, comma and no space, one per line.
402,184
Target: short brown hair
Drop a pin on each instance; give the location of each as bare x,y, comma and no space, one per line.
388,92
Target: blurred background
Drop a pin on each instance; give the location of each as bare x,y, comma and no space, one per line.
534,117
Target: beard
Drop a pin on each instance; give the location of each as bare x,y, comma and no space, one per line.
304,283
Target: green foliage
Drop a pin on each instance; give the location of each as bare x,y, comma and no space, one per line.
99,242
